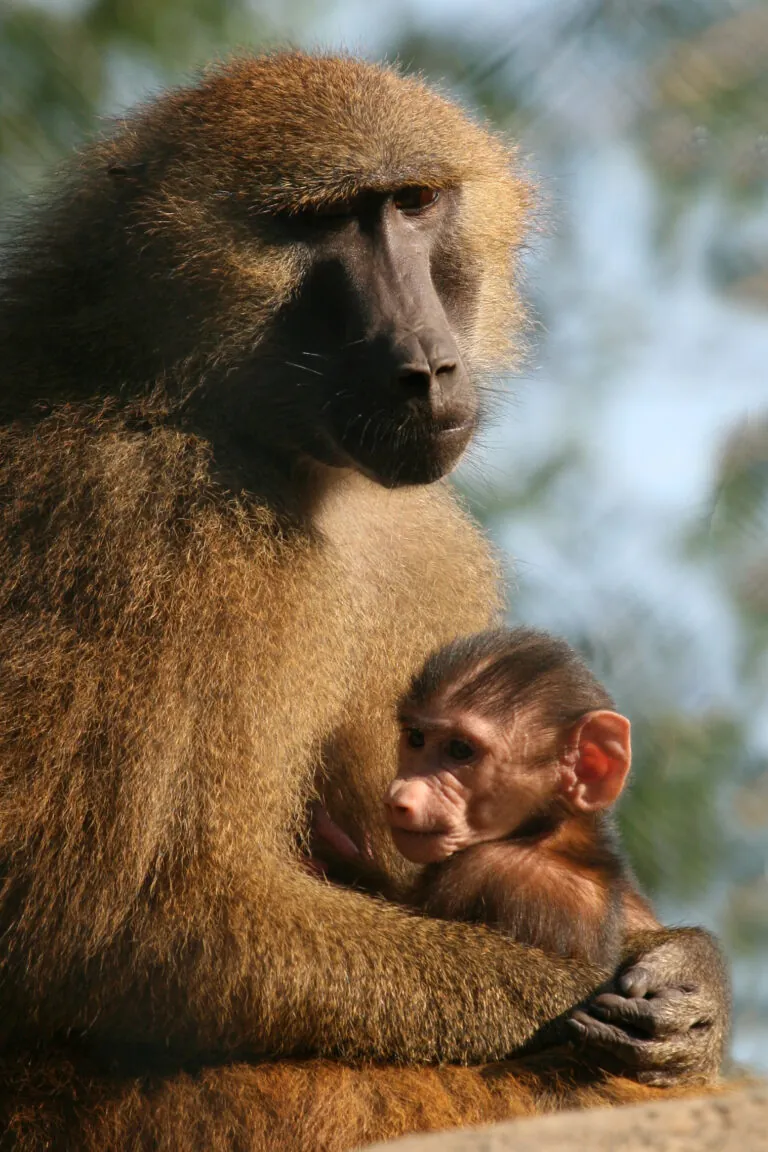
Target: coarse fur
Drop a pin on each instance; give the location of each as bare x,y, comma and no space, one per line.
199,629
561,892
296,1106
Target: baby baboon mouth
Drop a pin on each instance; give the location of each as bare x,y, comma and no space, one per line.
223,642
421,846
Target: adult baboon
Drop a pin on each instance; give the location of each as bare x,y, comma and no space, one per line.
241,344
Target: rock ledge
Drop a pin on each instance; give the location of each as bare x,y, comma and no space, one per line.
735,1122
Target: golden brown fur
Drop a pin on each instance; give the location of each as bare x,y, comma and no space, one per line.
304,1106
191,637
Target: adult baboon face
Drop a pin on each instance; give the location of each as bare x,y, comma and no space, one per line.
368,341
336,289
361,258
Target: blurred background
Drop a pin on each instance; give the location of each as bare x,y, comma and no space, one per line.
625,475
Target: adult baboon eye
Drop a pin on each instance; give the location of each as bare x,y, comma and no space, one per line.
460,750
414,737
416,199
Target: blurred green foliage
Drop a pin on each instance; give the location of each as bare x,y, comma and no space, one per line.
64,64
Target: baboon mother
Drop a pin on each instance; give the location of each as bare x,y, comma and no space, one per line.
241,343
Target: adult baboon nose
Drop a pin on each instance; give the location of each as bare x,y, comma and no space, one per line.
420,378
431,370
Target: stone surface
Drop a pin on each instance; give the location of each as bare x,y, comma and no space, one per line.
735,1122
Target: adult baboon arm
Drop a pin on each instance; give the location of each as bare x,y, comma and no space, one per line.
295,965
300,966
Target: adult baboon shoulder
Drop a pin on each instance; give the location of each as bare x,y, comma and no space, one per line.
242,342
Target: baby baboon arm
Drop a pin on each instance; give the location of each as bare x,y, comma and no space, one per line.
665,1016
333,854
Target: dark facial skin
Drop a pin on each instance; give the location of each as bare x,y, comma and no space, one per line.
384,389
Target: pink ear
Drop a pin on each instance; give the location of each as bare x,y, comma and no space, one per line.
602,756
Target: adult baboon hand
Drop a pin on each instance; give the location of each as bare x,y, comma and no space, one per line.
664,1017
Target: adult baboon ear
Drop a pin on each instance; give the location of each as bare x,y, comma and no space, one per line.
597,761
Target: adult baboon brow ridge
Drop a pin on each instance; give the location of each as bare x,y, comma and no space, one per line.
243,339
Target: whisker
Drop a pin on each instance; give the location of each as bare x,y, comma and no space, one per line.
303,367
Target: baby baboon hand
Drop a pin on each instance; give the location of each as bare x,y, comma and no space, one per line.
664,1016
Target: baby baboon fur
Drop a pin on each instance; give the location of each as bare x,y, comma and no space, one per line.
241,343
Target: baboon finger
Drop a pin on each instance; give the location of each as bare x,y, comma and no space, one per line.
635,982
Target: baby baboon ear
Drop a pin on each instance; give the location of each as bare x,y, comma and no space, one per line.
598,760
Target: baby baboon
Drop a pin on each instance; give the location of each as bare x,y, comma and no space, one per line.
511,753
242,341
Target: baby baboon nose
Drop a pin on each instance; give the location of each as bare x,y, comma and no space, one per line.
405,803
393,801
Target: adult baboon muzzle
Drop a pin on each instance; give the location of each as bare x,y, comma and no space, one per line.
401,406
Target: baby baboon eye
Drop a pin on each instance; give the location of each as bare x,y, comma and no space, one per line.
460,750
415,199
414,737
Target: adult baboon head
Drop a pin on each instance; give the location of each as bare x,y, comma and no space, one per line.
310,256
